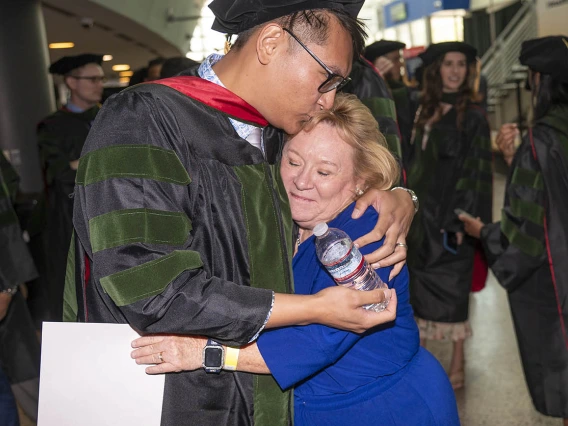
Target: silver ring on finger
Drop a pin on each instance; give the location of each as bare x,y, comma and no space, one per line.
401,245
160,357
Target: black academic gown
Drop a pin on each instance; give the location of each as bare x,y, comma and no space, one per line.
528,250
183,227
453,171
60,137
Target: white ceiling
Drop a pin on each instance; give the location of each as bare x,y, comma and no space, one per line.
110,34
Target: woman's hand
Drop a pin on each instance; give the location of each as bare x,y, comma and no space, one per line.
506,141
396,211
472,226
342,308
171,352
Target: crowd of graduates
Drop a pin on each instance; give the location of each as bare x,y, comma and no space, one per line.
437,128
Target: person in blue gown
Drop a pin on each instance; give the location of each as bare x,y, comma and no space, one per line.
382,376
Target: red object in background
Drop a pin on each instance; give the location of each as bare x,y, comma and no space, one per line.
480,269
413,52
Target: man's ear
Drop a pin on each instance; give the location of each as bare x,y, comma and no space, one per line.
70,82
270,42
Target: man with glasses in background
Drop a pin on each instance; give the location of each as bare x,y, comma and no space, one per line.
61,136
182,224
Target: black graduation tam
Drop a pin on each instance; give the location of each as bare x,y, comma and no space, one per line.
236,16
381,48
548,55
68,63
434,51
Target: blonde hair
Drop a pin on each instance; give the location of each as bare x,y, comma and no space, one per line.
357,127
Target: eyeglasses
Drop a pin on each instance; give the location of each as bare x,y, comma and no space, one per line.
333,81
93,78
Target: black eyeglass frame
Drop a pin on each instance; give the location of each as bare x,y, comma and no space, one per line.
339,82
93,78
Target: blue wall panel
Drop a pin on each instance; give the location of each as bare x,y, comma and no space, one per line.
402,11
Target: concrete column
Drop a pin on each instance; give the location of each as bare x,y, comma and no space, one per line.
25,86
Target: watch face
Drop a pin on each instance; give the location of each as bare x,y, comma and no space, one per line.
213,357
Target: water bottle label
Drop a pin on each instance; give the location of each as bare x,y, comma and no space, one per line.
348,266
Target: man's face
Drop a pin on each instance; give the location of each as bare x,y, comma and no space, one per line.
296,77
86,84
397,63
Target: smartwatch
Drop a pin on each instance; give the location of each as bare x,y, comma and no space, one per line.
213,357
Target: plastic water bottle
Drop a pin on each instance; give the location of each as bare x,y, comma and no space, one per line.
345,262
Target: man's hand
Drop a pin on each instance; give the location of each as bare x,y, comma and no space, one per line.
396,211
341,307
177,352
5,299
472,226
506,141
74,164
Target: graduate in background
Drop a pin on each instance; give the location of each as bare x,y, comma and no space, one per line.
450,167
61,136
387,57
527,249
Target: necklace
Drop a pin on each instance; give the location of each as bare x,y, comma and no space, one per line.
299,239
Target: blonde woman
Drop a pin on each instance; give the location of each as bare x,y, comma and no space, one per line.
339,378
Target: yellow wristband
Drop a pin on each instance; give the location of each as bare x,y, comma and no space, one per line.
231,358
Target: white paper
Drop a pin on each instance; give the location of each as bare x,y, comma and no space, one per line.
88,378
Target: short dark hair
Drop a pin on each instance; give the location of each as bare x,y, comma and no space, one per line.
550,92
311,26
156,61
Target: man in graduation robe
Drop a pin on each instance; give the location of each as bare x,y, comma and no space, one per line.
386,56
181,223
370,87
61,136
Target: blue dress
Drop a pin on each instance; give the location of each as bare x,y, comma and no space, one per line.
340,378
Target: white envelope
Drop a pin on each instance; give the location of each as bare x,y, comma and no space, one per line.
88,378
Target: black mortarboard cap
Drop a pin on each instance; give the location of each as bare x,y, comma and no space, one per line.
548,55
434,51
236,16
68,63
381,48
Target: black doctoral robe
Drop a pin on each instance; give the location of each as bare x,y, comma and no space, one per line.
453,171
182,227
60,137
528,251
371,89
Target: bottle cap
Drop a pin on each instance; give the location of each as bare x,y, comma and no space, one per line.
320,229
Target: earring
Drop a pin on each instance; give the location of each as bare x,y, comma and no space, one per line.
359,192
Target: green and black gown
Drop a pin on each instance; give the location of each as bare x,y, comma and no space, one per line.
454,170
60,137
372,90
528,251
181,226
